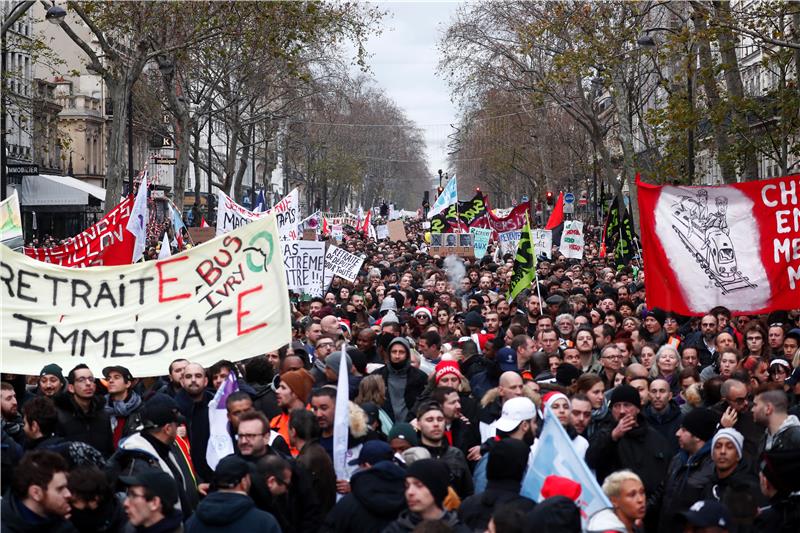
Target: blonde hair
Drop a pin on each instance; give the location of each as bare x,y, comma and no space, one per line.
613,482
371,389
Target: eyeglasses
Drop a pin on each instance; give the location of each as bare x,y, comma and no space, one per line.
755,338
611,357
132,494
739,401
325,345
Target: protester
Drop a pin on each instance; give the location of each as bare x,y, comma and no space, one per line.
150,502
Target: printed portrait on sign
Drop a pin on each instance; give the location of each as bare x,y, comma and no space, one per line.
465,239
451,239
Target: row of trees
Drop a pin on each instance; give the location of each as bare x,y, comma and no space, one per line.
266,78
615,88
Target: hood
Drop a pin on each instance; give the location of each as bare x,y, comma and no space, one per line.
604,521
790,422
381,489
260,390
223,508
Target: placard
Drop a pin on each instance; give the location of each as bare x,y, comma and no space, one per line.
397,231
508,242
304,262
225,297
480,239
572,239
340,262
543,242
382,232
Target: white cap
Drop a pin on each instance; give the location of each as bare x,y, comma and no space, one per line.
515,410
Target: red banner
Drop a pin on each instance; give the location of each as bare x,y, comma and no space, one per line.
735,245
105,243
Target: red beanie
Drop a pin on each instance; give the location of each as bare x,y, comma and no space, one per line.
446,367
560,486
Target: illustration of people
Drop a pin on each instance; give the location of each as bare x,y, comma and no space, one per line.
719,219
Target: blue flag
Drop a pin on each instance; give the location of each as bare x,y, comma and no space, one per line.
261,202
448,197
555,455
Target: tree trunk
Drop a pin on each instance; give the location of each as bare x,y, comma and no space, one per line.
619,94
116,156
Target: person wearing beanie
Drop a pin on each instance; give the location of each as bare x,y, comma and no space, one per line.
733,482
690,471
473,321
404,383
629,442
426,489
504,471
653,327
51,380
292,393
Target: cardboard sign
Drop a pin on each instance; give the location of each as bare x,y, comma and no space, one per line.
201,235
227,296
304,262
382,232
572,239
340,262
543,242
397,231
480,240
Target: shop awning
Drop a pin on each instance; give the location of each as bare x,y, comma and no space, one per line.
46,189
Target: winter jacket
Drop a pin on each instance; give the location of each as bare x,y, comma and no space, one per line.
476,511
92,427
12,521
197,427
407,521
460,475
317,462
377,496
642,449
666,423
171,524
739,492
264,400
230,511
745,425
782,515
687,480
415,384
787,437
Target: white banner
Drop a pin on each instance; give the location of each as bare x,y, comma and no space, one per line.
480,241
288,213
382,231
231,215
304,262
340,262
572,239
543,242
508,241
227,296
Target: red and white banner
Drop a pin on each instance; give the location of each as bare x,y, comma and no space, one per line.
106,243
735,245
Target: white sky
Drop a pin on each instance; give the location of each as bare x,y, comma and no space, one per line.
403,61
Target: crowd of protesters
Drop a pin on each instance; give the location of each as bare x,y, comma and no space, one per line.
688,423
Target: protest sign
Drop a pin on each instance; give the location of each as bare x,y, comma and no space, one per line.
397,231
508,241
554,454
227,296
231,215
382,232
340,262
106,243
304,262
201,235
572,240
735,245
10,219
480,241
337,232
543,242
288,213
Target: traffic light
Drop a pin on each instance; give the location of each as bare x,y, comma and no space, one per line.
439,191
477,189
550,198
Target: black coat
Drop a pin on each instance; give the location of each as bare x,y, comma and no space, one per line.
11,520
476,511
317,462
408,522
415,384
197,427
229,511
642,450
92,427
666,423
264,401
739,492
377,496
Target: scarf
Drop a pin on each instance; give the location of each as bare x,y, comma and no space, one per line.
122,408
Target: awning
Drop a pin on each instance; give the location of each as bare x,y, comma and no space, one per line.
46,189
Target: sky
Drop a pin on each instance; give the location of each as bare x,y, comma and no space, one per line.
403,61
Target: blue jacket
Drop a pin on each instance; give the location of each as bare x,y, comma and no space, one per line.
230,511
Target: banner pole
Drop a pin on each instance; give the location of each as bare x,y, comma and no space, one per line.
535,269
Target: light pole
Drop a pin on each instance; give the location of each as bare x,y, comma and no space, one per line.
55,15
647,41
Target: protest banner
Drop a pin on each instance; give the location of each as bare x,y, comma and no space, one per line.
554,454
340,262
337,232
572,240
735,245
105,243
10,219
619,236
397,231
288,213
382,232
508,241
231,215
448,197
480,241
201,235
227,296
304,262
543,242
514,220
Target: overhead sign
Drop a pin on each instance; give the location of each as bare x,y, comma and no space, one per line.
227,296
22,169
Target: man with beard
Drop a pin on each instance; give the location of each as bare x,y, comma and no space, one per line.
460,432
431,421
504,313
584,343
404,383
534,308
95,507
122,402
39,498
11,419
581,414
704,339
81,414
51,380
193,402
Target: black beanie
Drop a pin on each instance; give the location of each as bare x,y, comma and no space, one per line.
625,393
782,469
701,422
473,319
508,460
433,474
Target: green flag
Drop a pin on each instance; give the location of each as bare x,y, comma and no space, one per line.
524,264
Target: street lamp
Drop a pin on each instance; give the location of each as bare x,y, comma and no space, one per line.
55,15
647,41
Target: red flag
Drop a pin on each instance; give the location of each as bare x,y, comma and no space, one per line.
557,216
203,223
733,245
325,229
365,226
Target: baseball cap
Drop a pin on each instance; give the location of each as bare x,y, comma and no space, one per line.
230,471
404,431
373,451
515,410
158,482
124,372
507,359
161,409
707,513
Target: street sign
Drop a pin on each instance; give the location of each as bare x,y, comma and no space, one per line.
569,198
583,201
165,160
22,169
569,208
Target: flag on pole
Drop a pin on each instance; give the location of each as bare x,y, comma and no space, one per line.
261,202
448,197
365,227
203,223
524,263
220,443
341,420
137,223
165,250
554,454
178,225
